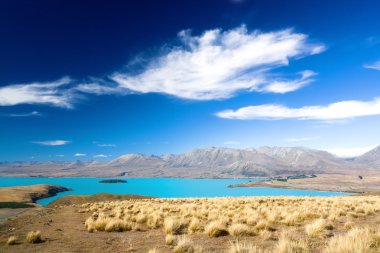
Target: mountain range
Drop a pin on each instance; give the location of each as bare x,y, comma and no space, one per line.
206,163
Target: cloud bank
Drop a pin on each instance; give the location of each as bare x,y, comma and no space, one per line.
335,111
52,143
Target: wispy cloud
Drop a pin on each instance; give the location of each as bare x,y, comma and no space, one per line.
217,64
30,114
285,86
350,152
101,87
60,155
80,154
375,65
106,145
101,156
52,93
52,143
301,139
335,111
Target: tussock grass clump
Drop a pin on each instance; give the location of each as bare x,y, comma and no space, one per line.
239,230
117,226
141,218
184,245
348,225
243,247
101,223
262,225
12,240
170,239
154,221
287,244
357,240
195,225
216,229
172,226
292,219
34,237
317,228
90,224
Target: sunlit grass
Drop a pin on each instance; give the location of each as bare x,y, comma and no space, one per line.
275,224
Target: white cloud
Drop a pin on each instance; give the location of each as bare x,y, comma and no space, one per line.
53,93
30,114
350,152
80,154
375,65
98,88
217,64
60,155
284,86
101,156
301,139
335,111
52,143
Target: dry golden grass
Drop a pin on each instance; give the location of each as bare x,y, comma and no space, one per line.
287,244
172,226
317,228
279,224
155,250
216,229
244,247
170,239
240,229
12,240
184,245
34,237
358,240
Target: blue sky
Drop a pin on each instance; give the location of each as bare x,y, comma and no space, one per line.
95,80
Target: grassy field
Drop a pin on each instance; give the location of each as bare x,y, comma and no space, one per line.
348,224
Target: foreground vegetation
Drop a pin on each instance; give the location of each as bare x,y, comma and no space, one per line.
258,224
232,225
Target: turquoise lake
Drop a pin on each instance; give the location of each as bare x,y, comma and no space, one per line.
160,187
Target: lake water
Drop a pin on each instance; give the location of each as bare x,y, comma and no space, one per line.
160,187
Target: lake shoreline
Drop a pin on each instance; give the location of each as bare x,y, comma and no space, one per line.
293,187
325,182
162,188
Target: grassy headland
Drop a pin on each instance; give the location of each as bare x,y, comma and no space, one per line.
29,194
